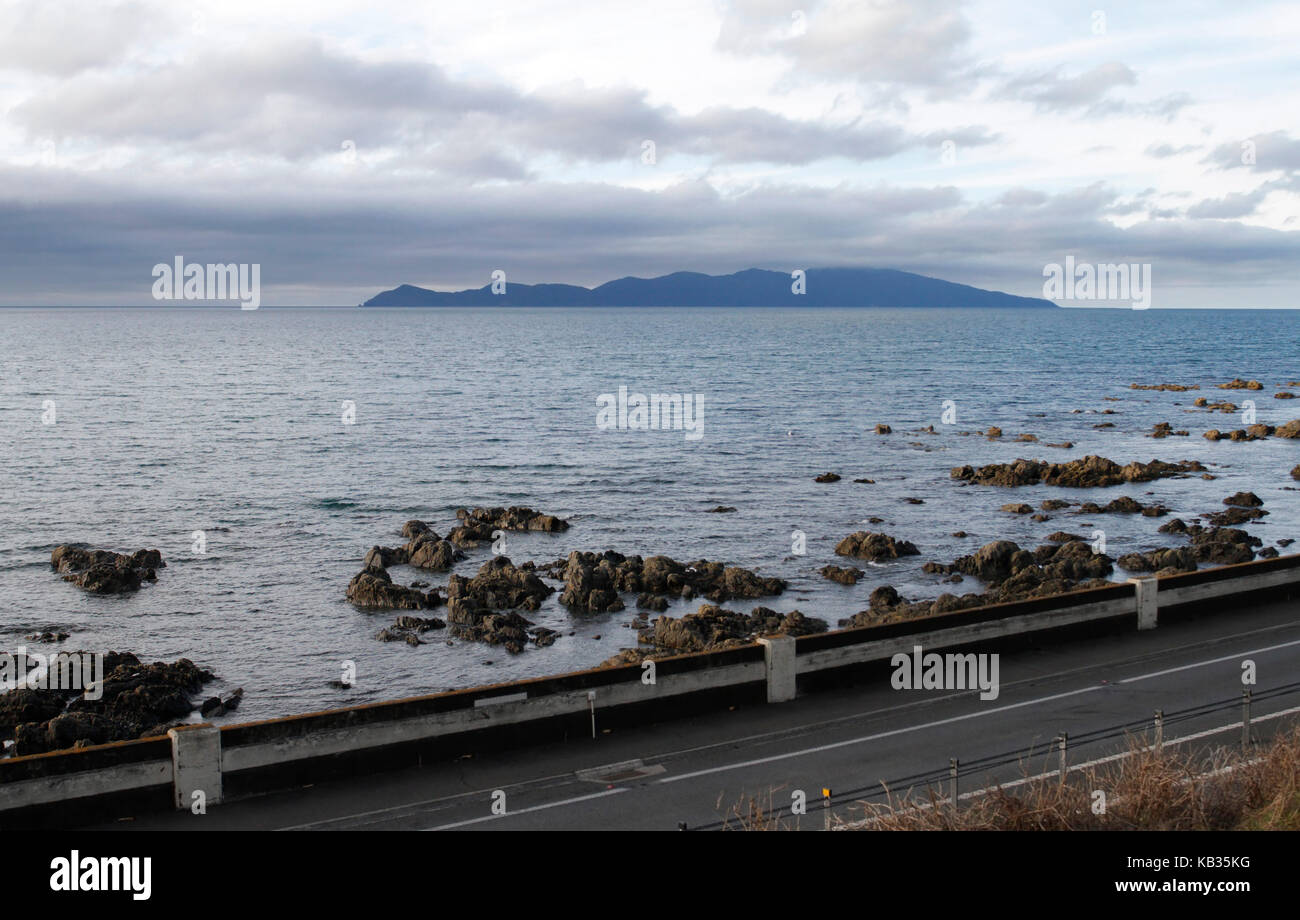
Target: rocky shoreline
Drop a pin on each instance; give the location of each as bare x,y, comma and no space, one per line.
480,595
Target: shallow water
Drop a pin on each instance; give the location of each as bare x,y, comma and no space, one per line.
170,421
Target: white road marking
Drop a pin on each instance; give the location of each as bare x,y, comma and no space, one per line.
961,718
523,811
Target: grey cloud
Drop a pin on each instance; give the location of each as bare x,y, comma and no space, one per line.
1272,151
1051,91
1230,206
1163,151
298,101
342,239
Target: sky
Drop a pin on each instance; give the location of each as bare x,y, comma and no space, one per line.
348,147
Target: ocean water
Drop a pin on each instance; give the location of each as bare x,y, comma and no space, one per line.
170,421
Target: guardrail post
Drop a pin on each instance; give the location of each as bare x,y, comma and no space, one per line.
1145,589
1064,740
779,659
196,764
953,771
1160,729
1245,719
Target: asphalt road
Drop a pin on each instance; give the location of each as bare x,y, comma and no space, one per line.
847,739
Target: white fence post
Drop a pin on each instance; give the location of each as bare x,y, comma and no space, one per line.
196,764
1145,591
779,657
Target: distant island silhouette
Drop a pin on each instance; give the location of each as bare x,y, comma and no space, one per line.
754,287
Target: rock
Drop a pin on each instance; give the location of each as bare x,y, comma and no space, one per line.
1238,384
412,529
136,700
827,477
721,509
867,481
47,637
1172,387
711,628
1181,559
408,629
426,551
1061,536
841,574
1090,471
1295,472
884,429
381,557
104,572
1018,508
499,585
1284,395
1027,437
993,433
1164,430
1234,516
1244,500
373,588
1290,430
514,518
593,581
651,602
874,546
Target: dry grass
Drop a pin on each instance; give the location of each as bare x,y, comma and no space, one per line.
755,813
1147,790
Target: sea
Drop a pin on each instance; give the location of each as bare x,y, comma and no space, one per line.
263,452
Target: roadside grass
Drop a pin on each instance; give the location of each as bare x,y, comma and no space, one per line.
1149,789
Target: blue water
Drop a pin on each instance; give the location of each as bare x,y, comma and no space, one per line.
169,421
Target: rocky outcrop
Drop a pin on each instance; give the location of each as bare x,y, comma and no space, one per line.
827,477
1010,572
1089,471
1237,383
841,574
1159,561
137,700
1123,505
593,581
374,588
408,629
874,547
1251,433
100,571
1171,387
477,525
1165,430
711,628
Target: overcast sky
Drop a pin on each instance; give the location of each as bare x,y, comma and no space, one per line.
348,147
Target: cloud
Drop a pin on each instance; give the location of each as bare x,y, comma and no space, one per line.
61,37
1052,91
298,100
921,43
1272,151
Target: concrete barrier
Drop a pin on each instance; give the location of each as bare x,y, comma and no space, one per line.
248,758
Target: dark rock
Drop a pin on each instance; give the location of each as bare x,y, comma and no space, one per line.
874,546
